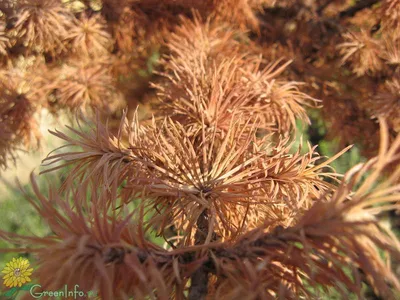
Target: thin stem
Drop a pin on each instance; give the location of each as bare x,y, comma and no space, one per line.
360,5
199,286
322,7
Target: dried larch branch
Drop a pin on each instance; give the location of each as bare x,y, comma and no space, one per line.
89,36
4,39
206,76
106,250
86,84
363,51
41,25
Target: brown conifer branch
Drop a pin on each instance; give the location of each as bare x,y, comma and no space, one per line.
360,5
7,7
338,229
199,279
199,285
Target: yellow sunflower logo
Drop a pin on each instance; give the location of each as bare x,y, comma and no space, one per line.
17,272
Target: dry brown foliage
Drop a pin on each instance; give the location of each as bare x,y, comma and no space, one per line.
16,119
391,15
364,53
4,39
85,83
18,103
41,25
186,172
387,103
105,247
215,173
89,36
205,81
